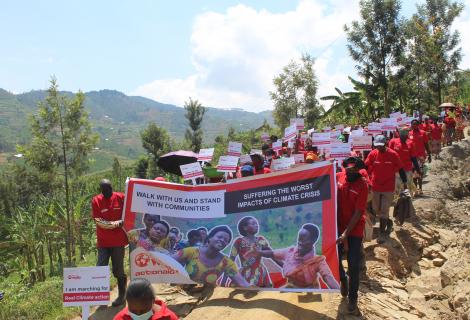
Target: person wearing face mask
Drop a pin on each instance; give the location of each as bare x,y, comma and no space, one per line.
407,152
110,236
352,192
382,165
142,304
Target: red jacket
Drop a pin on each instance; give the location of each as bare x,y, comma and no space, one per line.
163,314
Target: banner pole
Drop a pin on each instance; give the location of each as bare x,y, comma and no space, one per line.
85,312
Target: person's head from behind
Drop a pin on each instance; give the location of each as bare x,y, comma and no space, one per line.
140,298
159,231
149,220
194,238
403,134
247,170
257,160
106,188
307,237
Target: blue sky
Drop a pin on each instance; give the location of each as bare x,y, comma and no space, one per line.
224,53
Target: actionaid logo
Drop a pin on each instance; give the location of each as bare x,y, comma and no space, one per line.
74,277
143,259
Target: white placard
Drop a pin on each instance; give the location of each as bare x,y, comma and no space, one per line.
264,136
339,127
303,136
335,134
320,138
86,286
290,144
290,132
245,158
277,145
388,124
327,129
357,133
256,151
395,114
374,128
234,148
340,151
299,123
191,171
362,143
178,203
205,154
310,131
299,158
282,164
227,164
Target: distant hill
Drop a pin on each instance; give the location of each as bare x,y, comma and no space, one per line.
119,118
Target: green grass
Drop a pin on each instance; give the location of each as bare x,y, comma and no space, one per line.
42,301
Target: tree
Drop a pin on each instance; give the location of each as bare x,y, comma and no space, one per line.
117,173
375,43
156,141
195,114
434,24
141,167
61,140
295,93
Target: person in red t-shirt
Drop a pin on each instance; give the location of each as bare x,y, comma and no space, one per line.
450,123
407,152
142,304
111,237
258,164
352,201
421,142
436,138
382,165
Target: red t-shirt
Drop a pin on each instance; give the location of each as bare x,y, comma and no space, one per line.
352,196
382,167
436,132
265,170
163,314
406,151
419,138
110,210
450,122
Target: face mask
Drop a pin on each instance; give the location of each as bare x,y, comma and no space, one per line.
352,176
145,316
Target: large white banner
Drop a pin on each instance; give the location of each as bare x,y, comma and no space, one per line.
177,203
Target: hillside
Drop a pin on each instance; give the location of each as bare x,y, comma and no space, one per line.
118,119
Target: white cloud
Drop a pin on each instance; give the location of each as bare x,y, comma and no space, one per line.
236,54
462,24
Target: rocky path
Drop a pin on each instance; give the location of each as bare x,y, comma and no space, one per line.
421,272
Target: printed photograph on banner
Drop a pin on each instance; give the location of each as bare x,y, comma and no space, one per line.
274,236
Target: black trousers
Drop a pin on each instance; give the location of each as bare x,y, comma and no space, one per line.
354,258
117,258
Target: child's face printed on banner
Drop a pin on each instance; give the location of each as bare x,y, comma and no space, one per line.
219,241
305,242
149,221
252,227
158,232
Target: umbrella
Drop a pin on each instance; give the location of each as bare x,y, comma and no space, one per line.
172,161
447,105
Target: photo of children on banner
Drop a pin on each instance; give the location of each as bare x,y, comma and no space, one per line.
154,237
206,264
300,264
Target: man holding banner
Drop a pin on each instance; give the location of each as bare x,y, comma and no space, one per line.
352,201
111,238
